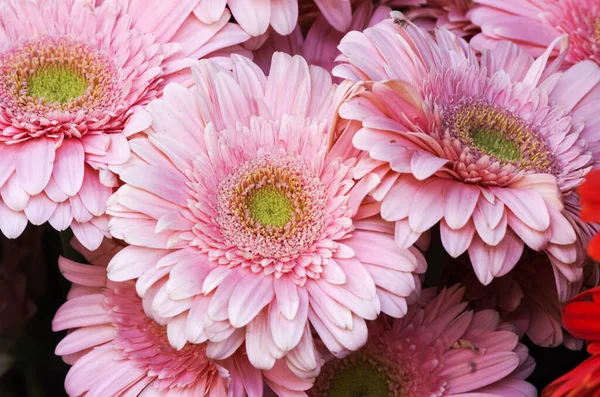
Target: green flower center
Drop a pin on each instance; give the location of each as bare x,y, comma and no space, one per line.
270,207
359,379
56,83
490,130
366,373
494,142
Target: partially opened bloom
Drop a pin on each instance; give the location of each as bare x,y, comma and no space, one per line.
339,14
535,24
116,348
319,45
243,226
437,349
254,16
528,298
590,211
70,75
492,149
445,14
581,317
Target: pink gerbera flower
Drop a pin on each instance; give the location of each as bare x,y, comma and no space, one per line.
437,349
534,24
244,226
490,149
70,74
117,348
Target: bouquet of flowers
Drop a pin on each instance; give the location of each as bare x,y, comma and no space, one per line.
328,198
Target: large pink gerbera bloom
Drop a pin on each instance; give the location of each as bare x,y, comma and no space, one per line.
117,348
490,149
244,226
437,349
534,24
70,75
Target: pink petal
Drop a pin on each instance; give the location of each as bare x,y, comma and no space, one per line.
424,165
459,203
527,205
35,163
12,223
456,242
252,15
69,165
251,295
284,15
39,209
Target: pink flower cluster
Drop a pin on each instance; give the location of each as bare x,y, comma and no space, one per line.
256,184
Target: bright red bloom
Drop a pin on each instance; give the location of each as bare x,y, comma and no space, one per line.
590,211
581,317
583,381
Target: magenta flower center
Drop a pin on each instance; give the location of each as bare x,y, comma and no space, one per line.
49,74
271,206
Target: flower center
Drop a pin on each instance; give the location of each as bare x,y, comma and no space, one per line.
496,143
48,74
270,207
361,374
56,83
488,130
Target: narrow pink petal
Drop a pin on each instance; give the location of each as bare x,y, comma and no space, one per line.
93,194
12,223
85,338
39,209
35,163
251,295
459,203
86,275
424,165
337,12
456,242
527,205
224,349
13,194
252,15
83,311
62,217
69,165
87,234
284,15
288,298
258,341
286,332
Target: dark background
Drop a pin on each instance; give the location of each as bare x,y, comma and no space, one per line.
39,373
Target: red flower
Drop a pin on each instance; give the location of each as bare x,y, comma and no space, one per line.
590,211
583,381
581,317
